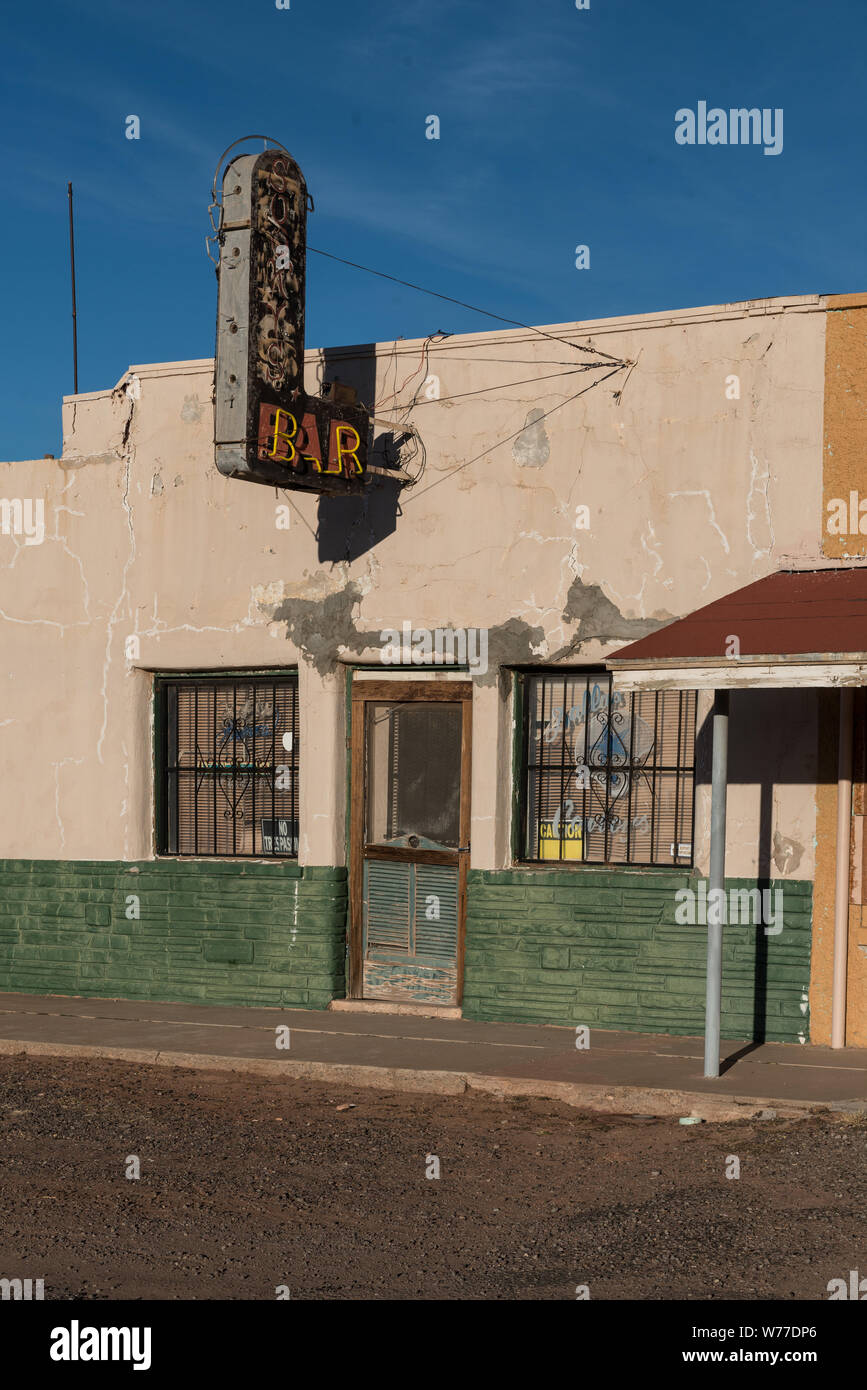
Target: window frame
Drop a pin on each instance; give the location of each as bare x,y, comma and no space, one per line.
521,705
162,681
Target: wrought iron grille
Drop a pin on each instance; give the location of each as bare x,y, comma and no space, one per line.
230,767
608,776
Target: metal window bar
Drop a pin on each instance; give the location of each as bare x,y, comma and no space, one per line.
214,772
172,777
653,788
540,734
256,768
631,775
676,853
234,747
584,790
293,794
609,763
274,761
233,759
196,796
652,768
560,836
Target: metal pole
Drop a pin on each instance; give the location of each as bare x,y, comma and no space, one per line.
841,889
74,320
713,996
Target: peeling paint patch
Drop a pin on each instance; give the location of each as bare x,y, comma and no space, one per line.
323,627
513,643
601,619
317,586
191,410
267,596
319,622
532,447
787,853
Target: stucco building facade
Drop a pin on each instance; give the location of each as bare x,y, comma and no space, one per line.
217,744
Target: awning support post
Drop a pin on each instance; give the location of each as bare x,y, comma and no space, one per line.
719,780
841,887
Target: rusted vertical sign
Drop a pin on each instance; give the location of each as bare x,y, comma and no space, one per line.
267,429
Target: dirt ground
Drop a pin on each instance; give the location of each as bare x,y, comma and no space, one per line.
249,1184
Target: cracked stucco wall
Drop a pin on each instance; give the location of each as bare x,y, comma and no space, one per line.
637,501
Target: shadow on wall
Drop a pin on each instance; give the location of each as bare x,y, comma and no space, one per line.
350,526
772,742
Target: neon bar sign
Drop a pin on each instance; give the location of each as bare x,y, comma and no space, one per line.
267,429
312,442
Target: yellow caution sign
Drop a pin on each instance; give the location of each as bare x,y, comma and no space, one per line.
561,842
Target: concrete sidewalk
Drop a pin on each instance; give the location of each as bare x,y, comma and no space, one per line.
620,1072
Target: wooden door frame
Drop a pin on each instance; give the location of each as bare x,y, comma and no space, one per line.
458,692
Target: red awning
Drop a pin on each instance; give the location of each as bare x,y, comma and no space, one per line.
795,619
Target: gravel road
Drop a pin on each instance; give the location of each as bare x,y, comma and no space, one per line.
248,1185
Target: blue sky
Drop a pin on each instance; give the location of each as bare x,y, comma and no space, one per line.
557,129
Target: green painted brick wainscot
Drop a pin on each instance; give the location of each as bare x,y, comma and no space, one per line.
207,931
596,947
543,946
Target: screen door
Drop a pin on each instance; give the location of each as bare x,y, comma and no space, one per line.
410,845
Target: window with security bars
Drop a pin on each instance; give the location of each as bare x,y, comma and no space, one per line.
230,766
608,776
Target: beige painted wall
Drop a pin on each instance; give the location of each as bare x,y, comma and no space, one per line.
691,494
